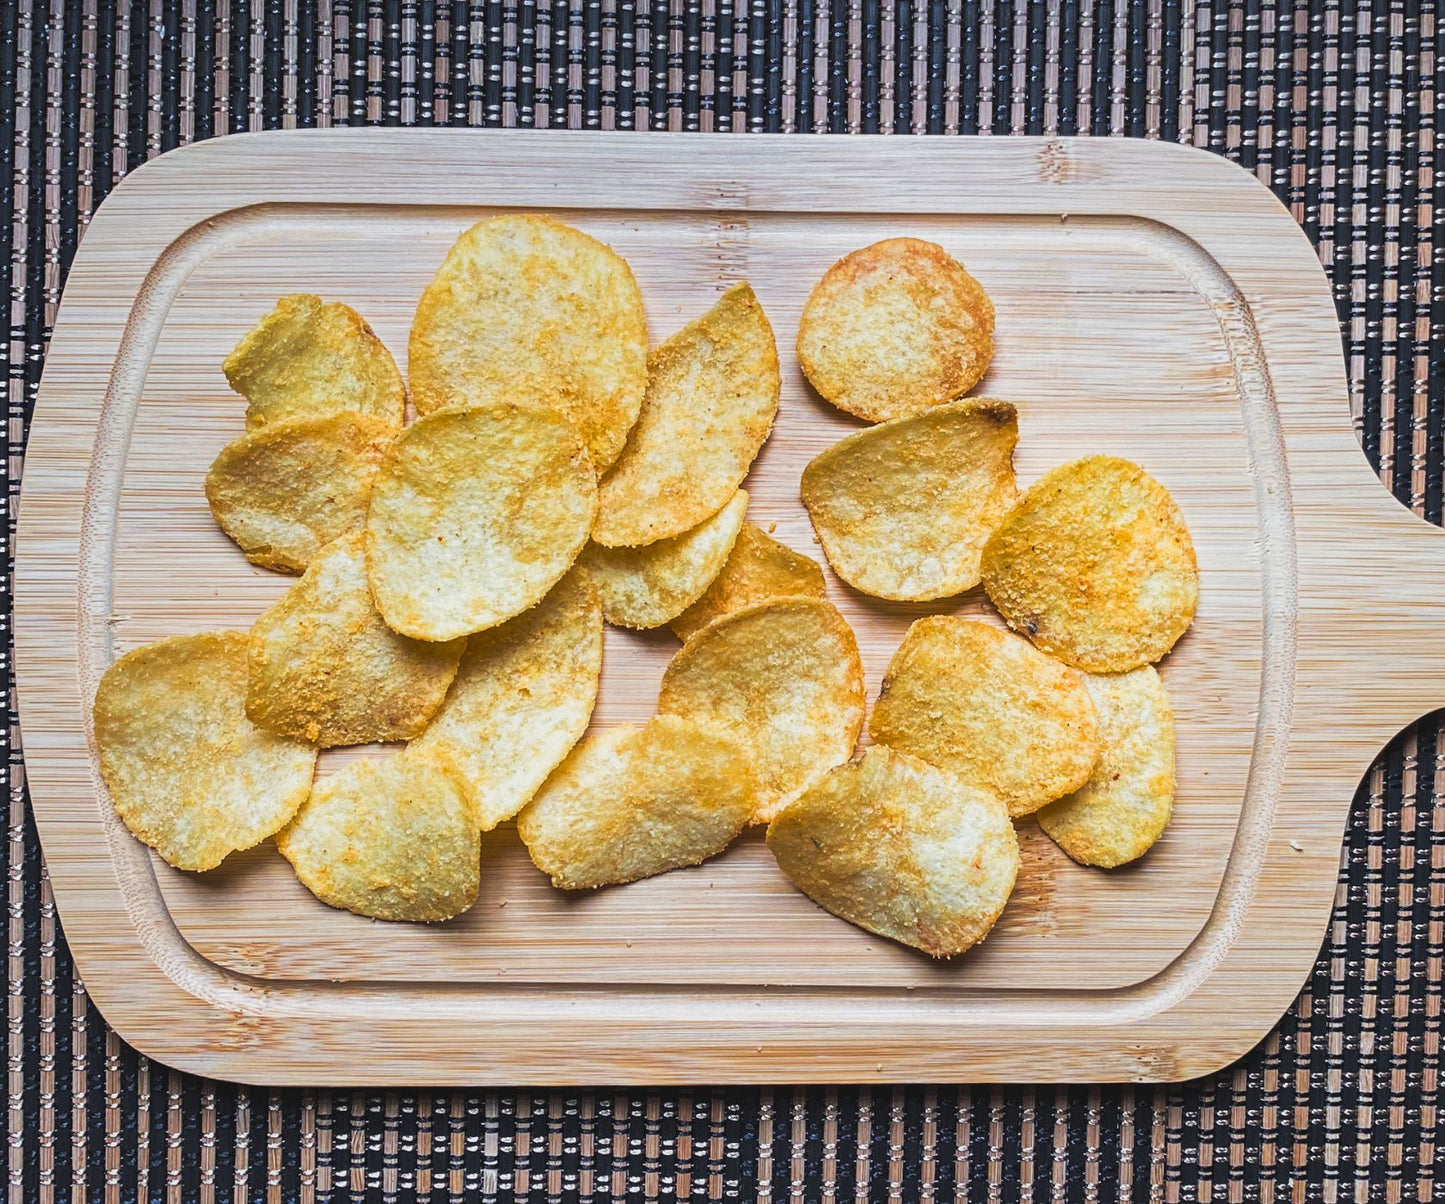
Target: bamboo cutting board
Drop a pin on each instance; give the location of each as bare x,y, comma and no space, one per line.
1153,302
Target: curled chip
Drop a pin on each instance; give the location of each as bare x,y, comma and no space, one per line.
312,357
284,491
1095,565
632,802
394,839
712,394
758,569
901,848
1124,807
521,699
991,709
325,668
784,680
187,771
895,328
524,308
645,587
903,509
475,515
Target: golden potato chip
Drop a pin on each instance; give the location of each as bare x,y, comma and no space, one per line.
894,328
903,509
525,309
394,839
758,569
284,491
1095,565
476,513
712,394
1124,807
312,357
522,698
901,848
188,772
647,586
991,709
784,680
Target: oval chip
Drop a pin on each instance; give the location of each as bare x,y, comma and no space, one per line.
758,569
901,848
189,774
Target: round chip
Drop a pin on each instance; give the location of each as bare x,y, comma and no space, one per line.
712,394
475,515
188,772
903,509
758,569
632,802
894,328
524,308
991,709
901,848
784,680
1095,565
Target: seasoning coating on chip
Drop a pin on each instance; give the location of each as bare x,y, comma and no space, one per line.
901,848
1095,565
188,772
758,569
903,509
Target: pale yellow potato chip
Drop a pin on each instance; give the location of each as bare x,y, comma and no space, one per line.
525,309
1095,565
284,491
903,509
712,394
784,680
312,357
901,848
1124,807
636,801
647,586
189,774
521,699
475,515
758,569
991,709
894,328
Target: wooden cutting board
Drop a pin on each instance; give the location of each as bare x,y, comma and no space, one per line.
1153,302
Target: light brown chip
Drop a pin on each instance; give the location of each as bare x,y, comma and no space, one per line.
758,569
312,357
1095,565
901,848
991,709
712,394
475,515
187,771
784,680
525,309
903,509
636,801
1124,807
522,698
894,328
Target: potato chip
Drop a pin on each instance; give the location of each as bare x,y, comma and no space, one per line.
522,698
647,586
991,709
712,394
758,569
901,848
524,309
636,801
1095,565
312,357
894,328
188,772
1124,807
784,680
475,515
394,839
903,509
286,490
